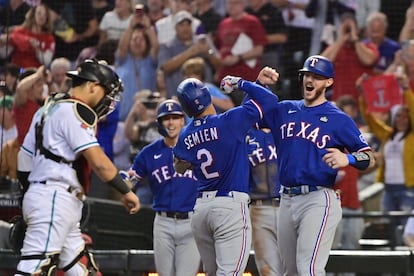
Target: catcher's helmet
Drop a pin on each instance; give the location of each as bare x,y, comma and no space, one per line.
319,65
99,71
194,96
168,107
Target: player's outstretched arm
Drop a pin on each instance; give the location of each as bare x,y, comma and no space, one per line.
108,173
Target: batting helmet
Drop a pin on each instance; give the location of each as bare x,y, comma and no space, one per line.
168,107
194,96
319,65
99,71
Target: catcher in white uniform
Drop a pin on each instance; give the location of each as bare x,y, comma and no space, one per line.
61,138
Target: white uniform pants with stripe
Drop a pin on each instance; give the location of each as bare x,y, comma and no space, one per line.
223,233
306,229
175,250
52,215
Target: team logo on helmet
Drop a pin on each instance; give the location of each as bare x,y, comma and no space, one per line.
167,107
318,65
194,96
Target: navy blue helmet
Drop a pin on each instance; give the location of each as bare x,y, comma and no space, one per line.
167,107
194,96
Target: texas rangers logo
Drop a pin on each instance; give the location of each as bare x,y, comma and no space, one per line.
313,61
169,106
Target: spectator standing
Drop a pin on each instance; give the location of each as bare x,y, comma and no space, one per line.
58,69
182,47
32,44
28,98
240,39
115,22
351,58
276,30
265,199
136,60
376,30
397,151
175,250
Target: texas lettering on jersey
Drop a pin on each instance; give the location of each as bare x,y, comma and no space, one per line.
260,155
164,174
306,131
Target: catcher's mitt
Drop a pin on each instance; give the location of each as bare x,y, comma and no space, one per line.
17,233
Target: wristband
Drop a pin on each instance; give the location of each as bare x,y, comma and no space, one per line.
359,160
119,184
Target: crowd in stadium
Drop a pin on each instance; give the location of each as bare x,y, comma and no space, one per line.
153,45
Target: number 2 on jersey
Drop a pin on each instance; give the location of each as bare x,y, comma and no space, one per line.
205,154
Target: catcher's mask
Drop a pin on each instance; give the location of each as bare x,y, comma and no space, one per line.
100,72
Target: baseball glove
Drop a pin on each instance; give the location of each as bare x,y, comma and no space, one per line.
17,233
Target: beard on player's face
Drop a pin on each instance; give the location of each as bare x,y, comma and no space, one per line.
313,91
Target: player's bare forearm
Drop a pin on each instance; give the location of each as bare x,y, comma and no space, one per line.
100,163
337,159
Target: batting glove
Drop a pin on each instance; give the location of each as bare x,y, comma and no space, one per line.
229,83
129,180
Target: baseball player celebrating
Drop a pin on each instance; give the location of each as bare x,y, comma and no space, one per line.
61,136
264,206
174,196
310,137
215,147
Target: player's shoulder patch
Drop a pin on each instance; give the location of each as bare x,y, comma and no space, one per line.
86,114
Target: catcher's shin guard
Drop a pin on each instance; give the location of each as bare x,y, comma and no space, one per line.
86,260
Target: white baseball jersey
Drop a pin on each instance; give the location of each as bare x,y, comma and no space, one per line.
65,134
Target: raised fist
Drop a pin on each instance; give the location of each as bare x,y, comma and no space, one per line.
229,83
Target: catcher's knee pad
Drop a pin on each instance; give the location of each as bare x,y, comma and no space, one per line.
47,267
86,261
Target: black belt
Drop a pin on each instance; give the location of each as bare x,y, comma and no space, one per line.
174,215
299,190
72,190
266,202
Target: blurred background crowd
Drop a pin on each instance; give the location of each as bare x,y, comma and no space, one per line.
154,44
